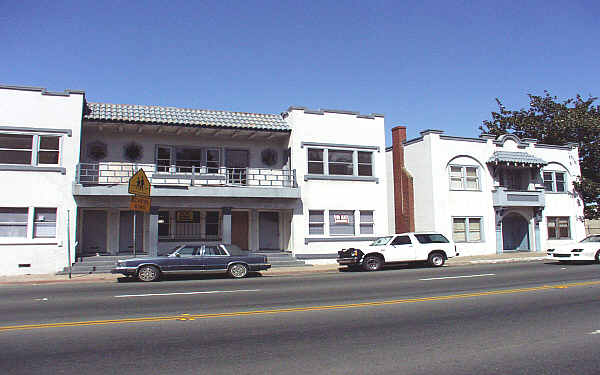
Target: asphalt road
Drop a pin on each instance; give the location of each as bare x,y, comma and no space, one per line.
528,318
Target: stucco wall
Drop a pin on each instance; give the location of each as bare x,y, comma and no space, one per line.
31,109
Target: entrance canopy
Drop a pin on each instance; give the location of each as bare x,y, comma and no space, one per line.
516,159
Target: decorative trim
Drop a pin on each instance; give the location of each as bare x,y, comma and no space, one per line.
431,131
8,167
356,147
411,141
453,138
308,240
43,90
554,147
339,111
340,178
68,132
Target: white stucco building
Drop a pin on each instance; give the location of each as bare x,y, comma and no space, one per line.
491,195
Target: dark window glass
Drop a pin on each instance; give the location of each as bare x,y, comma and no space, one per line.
431,238
401,240
186,158
49,150
163,159
15,157
213,160
560,182
16,141
163,224
340,162
212,225
315,161
365,164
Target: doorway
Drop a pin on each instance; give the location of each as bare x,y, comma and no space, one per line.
93,232
515,233
268,230
126,232
239,229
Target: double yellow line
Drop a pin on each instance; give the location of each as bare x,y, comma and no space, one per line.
183,317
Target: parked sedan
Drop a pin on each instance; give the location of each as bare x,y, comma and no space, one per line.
587,249
187,259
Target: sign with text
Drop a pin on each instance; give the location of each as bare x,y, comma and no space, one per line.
139,203
341,219
139,184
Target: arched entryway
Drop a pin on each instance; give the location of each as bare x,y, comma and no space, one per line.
515,233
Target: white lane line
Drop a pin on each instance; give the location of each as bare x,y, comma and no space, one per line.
186,293
458,277
597,332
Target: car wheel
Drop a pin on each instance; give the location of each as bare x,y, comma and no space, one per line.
372,263
148,273
597,257
436,259
238,270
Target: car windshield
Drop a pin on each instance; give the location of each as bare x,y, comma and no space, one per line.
591,239
381,241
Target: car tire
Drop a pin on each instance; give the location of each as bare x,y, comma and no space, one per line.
436,259
148,273
372,263
597,257
238,270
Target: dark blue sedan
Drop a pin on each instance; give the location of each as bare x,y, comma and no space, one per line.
187,259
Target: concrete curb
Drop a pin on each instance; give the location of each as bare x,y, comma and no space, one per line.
282,271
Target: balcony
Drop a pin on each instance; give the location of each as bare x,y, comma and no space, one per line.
112,178
511,198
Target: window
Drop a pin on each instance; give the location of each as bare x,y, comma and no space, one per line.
187,251
366,222
464,178
466,229
316,222
213,251
28,149
44,223
13,222
187,158
341,223
431,238
558,228
211,226
333,162
555,181
315,161
401,240
163,159
213,160
163,224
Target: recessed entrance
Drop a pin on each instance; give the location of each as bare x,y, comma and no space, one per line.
93,232
239,229
268,223
126,232
515,233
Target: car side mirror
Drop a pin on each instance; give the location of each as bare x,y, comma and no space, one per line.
178,255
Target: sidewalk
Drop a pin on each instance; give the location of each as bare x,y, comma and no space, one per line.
318,268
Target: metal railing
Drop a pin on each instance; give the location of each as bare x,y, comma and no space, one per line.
111,173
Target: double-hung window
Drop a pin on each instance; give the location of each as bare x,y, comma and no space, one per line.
341,223
336,162
464,178
44,223
558,227
29,149
316,222
366,222
466,229
13,222
555,181
187,159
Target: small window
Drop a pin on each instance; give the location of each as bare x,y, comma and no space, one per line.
49,150
13,222
401,240
341,223
431,238
555,181
365,163
44,223
466,229
213,160
366,222
315,161
316,222
163,224
464,178
16,149
558,228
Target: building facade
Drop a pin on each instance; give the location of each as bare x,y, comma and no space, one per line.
490,195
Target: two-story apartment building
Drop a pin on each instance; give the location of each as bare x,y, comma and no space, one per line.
489,194
286,181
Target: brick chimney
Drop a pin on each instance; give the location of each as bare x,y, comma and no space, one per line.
404,204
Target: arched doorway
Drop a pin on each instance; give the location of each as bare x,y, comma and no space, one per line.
515,233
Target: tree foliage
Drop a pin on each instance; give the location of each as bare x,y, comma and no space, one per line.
575,120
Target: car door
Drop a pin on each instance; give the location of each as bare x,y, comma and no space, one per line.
400,249
183,261
214,258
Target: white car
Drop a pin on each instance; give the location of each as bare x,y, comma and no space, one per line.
429,247
587,249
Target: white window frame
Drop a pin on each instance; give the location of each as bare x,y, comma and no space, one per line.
325,161
362,223
467,220
320,224
556,221
464,177
35,148
554,182
40,223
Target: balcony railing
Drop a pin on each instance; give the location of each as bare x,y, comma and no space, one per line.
512,198
111,173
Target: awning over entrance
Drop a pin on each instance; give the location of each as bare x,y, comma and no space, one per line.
516,159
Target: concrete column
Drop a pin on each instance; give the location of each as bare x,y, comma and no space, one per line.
153,233
499,242
112,232
253,230
226,231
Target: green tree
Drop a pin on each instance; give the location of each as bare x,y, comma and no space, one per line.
575,120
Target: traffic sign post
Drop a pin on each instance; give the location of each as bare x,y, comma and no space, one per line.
139,186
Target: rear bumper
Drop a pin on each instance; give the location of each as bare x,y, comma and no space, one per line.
259,267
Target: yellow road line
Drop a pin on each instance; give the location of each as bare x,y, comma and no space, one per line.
294,309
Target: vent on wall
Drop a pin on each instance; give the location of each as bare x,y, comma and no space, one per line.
24,265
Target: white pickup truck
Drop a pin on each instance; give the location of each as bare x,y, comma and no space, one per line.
429,247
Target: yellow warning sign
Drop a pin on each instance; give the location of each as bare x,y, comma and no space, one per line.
139,184
139,203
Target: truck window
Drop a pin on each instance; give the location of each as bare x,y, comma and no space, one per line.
401,240
431,238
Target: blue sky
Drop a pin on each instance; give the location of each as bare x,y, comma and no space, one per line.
423,64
